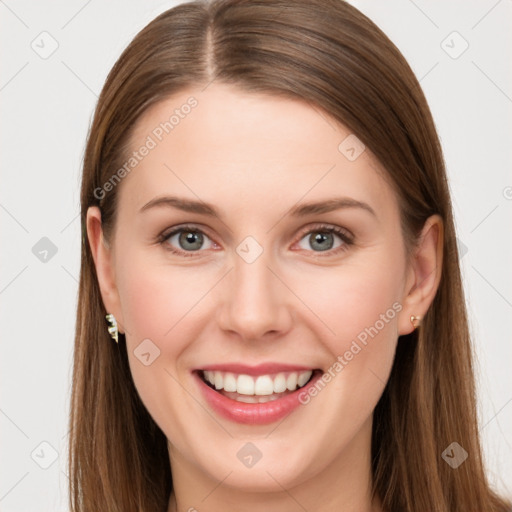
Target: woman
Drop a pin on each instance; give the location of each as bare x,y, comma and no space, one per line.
270,309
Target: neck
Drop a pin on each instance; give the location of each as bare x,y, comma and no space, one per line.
343,485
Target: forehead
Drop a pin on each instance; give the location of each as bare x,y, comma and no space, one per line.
227,146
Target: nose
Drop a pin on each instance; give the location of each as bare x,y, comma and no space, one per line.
255,302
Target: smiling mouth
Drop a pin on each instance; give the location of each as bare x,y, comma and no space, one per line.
251,389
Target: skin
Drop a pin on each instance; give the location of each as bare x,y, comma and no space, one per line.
254,157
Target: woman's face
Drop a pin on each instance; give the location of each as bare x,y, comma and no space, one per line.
261,289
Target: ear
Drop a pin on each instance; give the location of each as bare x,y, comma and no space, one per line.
424,273
103,256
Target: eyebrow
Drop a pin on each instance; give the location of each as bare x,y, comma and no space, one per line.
301,210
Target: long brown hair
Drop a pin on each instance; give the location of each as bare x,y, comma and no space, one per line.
327,53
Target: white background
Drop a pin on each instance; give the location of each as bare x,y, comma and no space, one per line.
46,109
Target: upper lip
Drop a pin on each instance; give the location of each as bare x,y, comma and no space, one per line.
260,369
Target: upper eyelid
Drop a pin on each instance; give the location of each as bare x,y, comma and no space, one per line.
319,226
190,227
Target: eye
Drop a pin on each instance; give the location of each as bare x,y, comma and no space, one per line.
322,238
187,240
184,239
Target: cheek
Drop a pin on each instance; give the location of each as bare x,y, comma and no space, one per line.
358,301
358,306
155,300
158,305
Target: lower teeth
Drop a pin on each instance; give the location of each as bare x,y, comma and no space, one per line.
253,399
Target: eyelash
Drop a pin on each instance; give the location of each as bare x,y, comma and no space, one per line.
320,228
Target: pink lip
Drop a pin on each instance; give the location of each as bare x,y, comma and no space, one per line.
261,369
253,414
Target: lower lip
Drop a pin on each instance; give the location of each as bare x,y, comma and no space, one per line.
254,414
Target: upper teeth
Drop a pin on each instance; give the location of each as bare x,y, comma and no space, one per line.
261,385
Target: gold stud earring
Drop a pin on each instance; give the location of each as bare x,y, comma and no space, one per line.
415,321
112,329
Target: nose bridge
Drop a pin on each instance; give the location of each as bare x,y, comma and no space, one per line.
254,302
